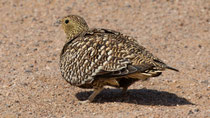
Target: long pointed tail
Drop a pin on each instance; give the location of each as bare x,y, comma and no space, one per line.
171,68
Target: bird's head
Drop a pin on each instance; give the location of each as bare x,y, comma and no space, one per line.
74,26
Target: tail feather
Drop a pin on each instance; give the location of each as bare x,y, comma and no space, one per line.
152,73
171,68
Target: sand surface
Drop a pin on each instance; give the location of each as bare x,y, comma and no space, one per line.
177,31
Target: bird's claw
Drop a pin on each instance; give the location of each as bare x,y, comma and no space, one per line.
84,102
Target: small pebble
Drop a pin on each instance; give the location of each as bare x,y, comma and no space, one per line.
49,61
196,110
205,82
190,112
31,65
28,71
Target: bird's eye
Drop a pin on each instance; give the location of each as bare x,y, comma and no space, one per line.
66,21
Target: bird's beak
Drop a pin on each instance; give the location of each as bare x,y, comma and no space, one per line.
58,22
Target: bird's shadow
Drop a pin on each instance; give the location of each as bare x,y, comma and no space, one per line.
137,96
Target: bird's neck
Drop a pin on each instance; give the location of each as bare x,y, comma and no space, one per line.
76,33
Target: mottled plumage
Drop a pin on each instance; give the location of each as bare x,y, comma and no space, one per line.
94,58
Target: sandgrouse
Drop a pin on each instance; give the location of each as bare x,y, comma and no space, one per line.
94,58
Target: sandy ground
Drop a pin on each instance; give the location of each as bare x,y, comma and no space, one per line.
177,31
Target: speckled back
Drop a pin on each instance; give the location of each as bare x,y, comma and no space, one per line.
101,51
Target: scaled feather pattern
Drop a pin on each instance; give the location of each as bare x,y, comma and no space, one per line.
94,58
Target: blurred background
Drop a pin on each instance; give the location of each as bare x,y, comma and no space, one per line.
177,31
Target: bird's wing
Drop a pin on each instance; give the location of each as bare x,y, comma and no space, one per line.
124,56
105,53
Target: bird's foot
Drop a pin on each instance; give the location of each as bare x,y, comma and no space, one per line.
85,102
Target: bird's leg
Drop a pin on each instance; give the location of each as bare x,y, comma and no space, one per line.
124,90
93,95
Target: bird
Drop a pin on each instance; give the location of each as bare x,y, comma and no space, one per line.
93,58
